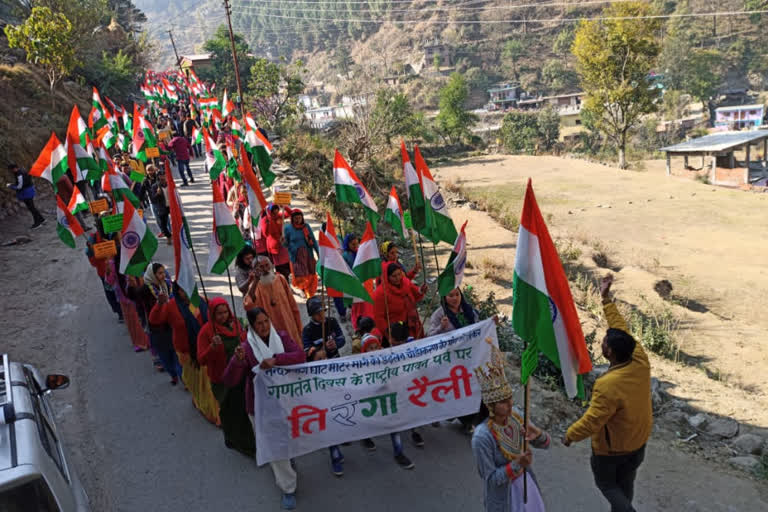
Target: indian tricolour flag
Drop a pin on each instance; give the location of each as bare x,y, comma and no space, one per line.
113,183
439,225
367,263
393,215
237,129
183,259
413,189
137,243
79,161
143,135
336,273
67,226
349,188
453,274
51,165
77,202
197,136
261,149
226,239
543,312
214,158
99,117
227,106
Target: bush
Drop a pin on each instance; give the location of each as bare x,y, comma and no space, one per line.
656,331
520,132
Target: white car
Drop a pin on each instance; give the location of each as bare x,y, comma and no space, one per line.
34,472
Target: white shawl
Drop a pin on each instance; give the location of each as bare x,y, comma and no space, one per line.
260,349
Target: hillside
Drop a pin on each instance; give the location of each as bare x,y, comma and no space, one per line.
344,40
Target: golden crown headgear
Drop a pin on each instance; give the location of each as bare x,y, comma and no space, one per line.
493,381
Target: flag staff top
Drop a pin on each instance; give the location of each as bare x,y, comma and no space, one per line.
228,10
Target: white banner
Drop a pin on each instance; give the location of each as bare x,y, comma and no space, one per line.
302,408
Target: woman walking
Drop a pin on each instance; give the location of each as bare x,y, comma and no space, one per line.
216,345
272,231
266,348
185,320
156,284
498,445
119,284
302,249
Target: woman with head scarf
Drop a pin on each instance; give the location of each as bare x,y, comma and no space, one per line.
266,348
156,284
185,321
272,231
302,249
245,264
453,313
216,345
395,301
498,445
390,253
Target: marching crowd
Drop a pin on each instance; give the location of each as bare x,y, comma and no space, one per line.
210,350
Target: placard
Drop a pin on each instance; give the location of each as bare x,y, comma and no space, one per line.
104,250
282,198
98,206
152,152
112,223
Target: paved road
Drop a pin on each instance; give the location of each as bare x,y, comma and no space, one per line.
145,448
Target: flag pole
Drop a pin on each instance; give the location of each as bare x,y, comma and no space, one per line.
231,293
423,263
526,418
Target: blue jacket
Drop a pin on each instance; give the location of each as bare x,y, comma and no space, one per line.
294,240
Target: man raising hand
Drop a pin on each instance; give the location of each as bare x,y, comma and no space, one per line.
620,415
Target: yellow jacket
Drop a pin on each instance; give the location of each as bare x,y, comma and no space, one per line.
620,415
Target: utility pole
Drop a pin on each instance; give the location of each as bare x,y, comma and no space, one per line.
178,59
228,10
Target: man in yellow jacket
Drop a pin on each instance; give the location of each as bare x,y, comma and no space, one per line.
620,416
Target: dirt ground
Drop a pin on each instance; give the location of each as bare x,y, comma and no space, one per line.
710,243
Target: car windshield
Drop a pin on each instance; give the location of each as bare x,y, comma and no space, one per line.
34,495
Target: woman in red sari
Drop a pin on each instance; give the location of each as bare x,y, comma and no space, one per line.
216,345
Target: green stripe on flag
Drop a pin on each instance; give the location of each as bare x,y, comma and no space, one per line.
532,320
65,235
143,255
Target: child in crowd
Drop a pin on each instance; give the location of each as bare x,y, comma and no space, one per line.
370,341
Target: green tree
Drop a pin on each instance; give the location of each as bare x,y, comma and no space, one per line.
520,132
342,59
614,58
557,77
223,70
704,76
563,42
549,126
47,39
274,91
513,50
453,121
393,113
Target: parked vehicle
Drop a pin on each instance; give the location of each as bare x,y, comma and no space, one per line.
34,472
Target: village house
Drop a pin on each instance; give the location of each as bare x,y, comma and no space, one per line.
504,95
200,61
434,49
739,117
